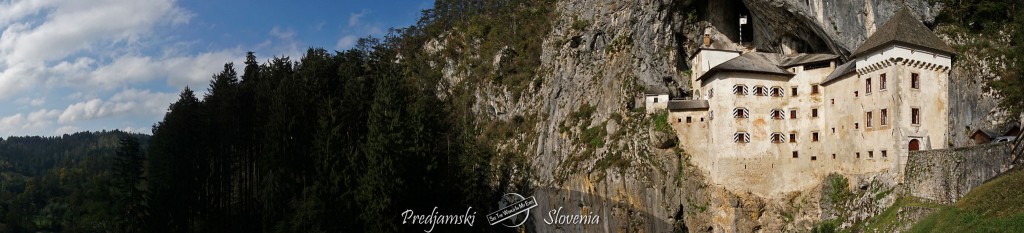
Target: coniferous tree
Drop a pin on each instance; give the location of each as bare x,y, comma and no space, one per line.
127,178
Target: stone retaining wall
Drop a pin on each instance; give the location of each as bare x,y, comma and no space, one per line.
946,175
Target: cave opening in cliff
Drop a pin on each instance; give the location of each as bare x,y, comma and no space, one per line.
725,17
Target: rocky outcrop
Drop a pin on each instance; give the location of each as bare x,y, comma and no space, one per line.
947,175
663,140
601,55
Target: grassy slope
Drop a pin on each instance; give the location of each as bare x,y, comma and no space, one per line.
996,206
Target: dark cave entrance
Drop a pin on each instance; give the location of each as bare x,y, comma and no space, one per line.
725,16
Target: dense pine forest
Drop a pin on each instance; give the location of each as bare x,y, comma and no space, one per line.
329,142
339,141
82,182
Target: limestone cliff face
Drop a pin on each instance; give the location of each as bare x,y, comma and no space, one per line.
600,57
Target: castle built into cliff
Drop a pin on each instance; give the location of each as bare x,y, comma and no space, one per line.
769,123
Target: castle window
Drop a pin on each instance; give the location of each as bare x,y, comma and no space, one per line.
858,155
885,154
881,82
813,158
915,81
814,136
814,112
792,138
833,101
655,99
814,89
915,116
740,113
856,125
760,91
794,91
778,92
689,119
680,120
741,137
777,138
792,114
867,120
856,94
833,156
778,114
867,86
740,89
884,116
871,154
796,155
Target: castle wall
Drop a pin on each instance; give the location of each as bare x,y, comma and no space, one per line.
946,175
654,102
762,166
847,143
931,98
707,59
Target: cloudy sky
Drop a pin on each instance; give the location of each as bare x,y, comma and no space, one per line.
68,66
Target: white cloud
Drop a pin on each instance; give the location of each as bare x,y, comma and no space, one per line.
67,129
35,102
356,29
38,32
145,130
283,34
33,121
286,43
12,123
43,116
179,71
128,102
354,18
346,42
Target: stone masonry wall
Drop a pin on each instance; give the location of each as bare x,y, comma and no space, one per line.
946,175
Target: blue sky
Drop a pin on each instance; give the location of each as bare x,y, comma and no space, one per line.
68,66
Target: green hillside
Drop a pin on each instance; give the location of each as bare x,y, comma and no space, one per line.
996,206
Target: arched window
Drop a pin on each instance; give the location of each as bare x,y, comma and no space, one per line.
915,145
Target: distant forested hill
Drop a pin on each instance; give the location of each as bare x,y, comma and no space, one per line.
68,183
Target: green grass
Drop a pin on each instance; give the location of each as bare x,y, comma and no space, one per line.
888,219
594,136
839,192
996,206
661,122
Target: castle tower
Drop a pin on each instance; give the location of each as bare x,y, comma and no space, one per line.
895,91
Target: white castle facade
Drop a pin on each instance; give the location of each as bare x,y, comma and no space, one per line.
770,123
